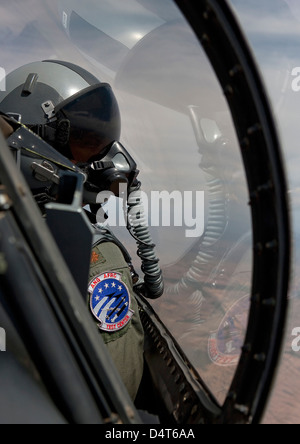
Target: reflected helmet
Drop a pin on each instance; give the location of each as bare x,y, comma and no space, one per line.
64,104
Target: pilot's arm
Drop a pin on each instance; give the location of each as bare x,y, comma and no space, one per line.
114,308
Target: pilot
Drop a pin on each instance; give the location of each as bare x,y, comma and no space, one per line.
79,116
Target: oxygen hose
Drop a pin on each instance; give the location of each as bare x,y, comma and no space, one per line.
152,286
191,284
202,265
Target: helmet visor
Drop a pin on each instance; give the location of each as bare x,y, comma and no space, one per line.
94,120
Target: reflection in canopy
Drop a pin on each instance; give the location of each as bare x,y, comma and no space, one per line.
177,126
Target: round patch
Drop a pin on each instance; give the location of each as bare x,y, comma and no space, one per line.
110,301
224,345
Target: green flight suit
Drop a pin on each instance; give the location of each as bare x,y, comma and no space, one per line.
126,345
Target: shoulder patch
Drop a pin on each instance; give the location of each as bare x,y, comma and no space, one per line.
97,257
110,301
224,344
94,258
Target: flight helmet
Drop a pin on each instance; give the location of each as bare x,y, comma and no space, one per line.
66,105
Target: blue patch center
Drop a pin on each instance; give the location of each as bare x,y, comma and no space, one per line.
110,301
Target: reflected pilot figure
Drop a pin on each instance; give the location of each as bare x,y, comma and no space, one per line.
79,116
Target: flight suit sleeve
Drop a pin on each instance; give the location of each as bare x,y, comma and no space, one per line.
114,308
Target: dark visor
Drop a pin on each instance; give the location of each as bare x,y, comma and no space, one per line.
93,113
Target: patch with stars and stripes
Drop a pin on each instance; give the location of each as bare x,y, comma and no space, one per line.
110,301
